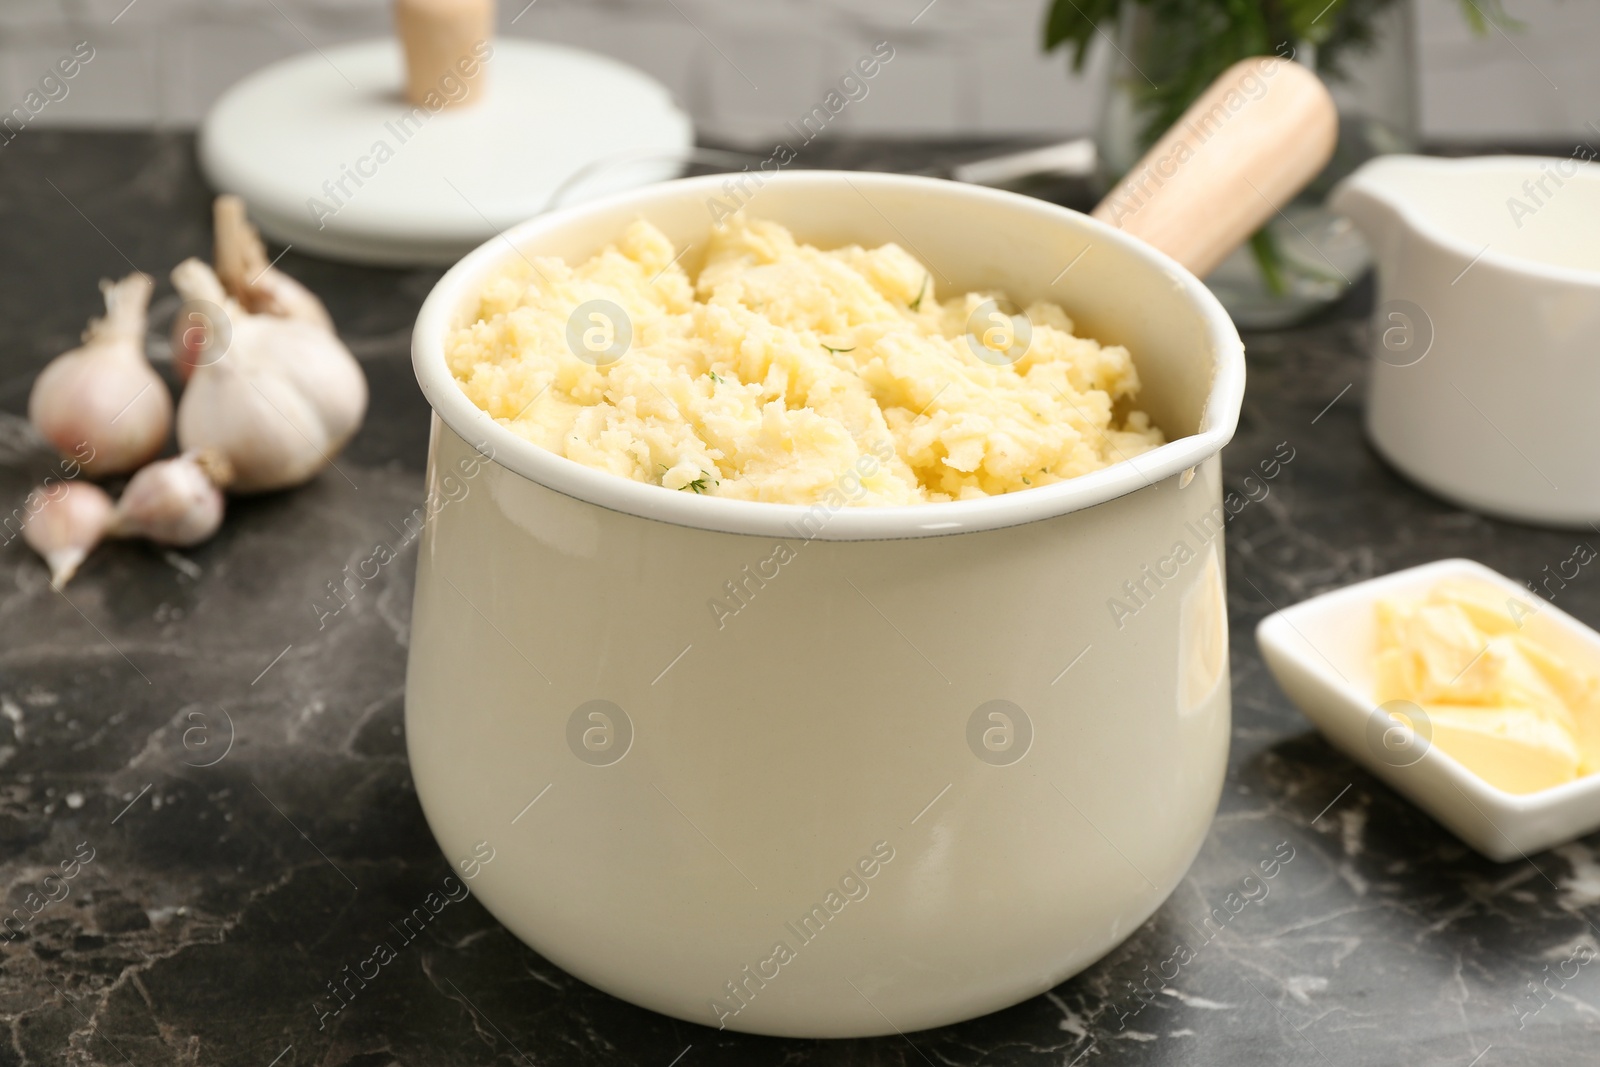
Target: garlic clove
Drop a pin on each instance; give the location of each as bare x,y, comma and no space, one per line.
279,403
64,524
102,404
249,278
202,330
176,502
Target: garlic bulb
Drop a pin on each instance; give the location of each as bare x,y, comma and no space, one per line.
284,394
64,523
102,403
249,278
176,501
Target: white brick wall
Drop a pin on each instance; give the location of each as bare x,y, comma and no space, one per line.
963,67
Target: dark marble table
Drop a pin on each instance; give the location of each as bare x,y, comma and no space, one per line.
233,769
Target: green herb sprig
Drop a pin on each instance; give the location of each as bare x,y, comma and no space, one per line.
916,305
701,484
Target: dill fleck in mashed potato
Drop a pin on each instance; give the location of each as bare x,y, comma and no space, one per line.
784,373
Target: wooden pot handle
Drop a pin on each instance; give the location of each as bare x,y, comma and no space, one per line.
445,43
1254,139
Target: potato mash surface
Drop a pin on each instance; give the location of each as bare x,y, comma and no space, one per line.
789,374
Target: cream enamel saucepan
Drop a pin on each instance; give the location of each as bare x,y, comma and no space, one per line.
926,771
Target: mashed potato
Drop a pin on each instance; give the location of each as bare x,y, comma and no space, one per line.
789,374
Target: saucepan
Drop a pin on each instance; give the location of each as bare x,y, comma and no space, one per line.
925,761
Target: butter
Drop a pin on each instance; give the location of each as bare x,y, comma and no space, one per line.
1511,709
1511,748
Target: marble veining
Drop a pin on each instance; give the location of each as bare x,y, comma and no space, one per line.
231,762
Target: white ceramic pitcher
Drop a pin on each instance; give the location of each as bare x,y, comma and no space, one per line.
1485,381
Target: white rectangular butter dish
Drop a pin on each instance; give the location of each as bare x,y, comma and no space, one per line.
1321,652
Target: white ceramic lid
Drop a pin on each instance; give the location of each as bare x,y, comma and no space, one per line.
330,157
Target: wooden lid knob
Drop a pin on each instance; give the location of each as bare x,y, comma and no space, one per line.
1254,139
447,45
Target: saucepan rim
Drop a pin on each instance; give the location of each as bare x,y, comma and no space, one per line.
565,476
